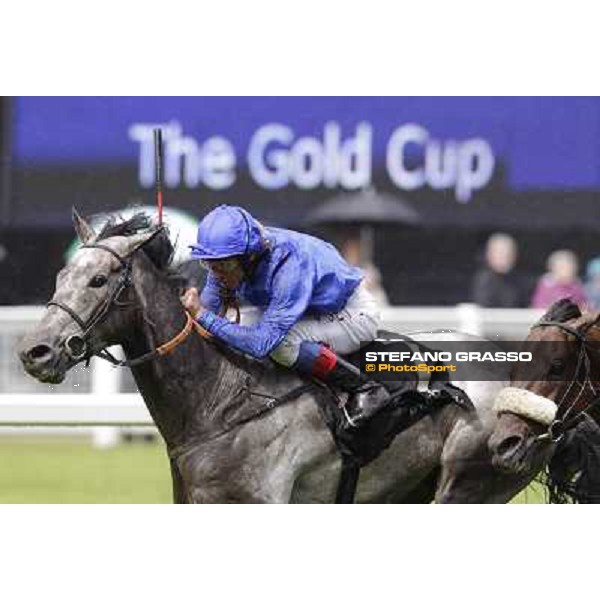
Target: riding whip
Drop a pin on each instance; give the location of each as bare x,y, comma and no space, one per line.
158,172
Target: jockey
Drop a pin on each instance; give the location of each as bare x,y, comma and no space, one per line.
314,305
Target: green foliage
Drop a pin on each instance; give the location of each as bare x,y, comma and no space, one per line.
533,494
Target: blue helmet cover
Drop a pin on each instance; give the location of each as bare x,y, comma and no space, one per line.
227,231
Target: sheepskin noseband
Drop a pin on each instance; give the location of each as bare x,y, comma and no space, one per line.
525,404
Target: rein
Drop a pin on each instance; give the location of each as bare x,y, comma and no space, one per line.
560,425
271,402
163,349
77,346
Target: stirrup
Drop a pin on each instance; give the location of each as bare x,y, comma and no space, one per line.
348,418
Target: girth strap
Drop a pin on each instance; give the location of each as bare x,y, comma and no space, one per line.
346,490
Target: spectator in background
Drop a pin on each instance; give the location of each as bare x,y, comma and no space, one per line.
352,252
592,284
495,285
560,281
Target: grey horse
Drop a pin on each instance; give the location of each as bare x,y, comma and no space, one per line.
117,290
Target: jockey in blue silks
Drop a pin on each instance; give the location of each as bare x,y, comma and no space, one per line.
314,306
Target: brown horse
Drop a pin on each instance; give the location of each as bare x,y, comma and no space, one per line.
548,415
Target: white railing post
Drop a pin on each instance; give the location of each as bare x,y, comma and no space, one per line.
470,319
105,380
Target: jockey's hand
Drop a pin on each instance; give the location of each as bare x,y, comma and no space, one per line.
191,301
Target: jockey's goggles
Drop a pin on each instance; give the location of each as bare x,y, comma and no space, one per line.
221,266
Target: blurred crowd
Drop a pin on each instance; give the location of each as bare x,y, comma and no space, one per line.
496,285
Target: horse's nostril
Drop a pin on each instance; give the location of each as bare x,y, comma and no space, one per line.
509,446
39,352
75,346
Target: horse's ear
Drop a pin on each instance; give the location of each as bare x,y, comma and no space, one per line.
85,233
157,246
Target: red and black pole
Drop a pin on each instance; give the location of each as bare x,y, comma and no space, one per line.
158,172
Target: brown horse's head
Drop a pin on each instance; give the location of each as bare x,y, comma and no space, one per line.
547,395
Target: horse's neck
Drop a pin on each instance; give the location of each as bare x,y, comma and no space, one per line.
177,388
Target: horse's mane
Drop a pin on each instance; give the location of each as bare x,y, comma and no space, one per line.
116,226
562,311
573,474
159,248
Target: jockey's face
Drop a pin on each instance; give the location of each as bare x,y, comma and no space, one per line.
228,271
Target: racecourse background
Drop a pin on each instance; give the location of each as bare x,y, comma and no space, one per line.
544,160
466,167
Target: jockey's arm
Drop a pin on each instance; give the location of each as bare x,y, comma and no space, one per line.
292,290
210,298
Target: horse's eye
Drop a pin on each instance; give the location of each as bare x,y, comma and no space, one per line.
98,281
557,366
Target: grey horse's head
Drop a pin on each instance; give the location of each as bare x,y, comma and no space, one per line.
93,303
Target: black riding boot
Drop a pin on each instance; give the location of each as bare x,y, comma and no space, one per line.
365,397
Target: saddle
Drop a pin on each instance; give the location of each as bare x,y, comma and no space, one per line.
358,446
408,404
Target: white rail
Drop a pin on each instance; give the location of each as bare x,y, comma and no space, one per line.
73,410
101,400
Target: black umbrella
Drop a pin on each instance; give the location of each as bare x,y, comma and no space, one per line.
365,209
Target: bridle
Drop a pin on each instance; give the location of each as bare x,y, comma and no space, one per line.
100,314
77,346
563,422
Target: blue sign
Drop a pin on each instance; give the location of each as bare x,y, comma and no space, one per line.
442,143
